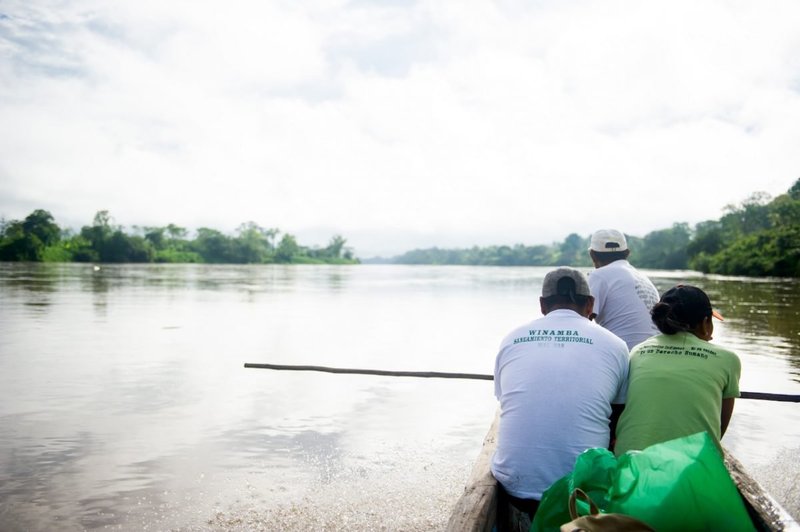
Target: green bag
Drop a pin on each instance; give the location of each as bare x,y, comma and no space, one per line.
592,473
679,485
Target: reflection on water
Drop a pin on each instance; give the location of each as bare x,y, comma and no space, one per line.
762,316
124,403
766,312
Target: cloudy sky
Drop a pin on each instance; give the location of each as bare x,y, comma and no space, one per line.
397,124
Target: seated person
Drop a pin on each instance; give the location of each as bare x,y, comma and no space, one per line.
623,296
556,378
679,383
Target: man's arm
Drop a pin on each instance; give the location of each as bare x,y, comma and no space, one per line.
598,290
616,411
727,412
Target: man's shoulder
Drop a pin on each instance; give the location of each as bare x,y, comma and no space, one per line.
612,270
621,271
521,329
595,277
526,325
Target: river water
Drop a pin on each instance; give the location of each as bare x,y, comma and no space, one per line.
124,403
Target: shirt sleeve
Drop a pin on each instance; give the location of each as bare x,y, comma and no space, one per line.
734,373
497,390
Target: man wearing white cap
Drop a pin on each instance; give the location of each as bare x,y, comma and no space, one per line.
623,296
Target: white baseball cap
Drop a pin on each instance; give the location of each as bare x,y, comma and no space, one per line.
608,240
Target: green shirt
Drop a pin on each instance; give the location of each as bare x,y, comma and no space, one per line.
677,383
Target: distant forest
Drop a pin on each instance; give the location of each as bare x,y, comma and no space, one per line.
38,238
759,237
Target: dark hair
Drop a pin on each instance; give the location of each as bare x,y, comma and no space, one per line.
681,309
607,257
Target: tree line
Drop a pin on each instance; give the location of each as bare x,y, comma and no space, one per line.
38,238
758,237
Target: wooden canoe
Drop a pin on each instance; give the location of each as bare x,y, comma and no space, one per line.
477,508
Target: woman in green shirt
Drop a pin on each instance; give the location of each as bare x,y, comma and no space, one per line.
679,383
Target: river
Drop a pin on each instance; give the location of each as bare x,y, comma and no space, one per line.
124,403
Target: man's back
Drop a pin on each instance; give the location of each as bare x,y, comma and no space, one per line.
623,298
556,378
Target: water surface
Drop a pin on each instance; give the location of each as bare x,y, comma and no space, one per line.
124,403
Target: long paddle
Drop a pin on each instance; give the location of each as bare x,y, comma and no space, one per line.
780,397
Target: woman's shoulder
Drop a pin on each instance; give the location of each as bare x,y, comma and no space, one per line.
684,340
716,351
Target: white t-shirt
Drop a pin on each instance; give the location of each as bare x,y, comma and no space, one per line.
623,298
556,378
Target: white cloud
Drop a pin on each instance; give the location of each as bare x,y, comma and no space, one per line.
429,123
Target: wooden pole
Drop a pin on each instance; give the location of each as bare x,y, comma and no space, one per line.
386,373
782,397
763,396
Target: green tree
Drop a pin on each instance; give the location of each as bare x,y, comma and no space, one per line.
176,232
80,249
794,191
335,248
750,216
758,238
124,248
155,235
288,250
574,251
253,243
665,248
99,233
213,246
29,239
170,244
38,238
708,238
15,246
777,254
41,224
336,251
784,211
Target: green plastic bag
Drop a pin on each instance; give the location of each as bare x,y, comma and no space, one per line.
593,472
679,485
